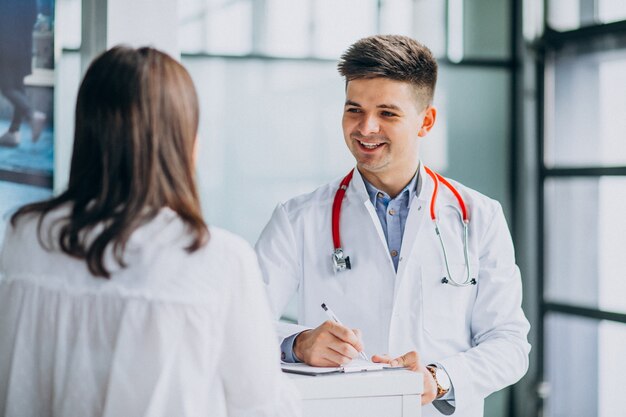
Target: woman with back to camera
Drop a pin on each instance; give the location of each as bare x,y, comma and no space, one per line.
115,297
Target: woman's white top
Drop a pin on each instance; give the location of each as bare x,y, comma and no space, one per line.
173,334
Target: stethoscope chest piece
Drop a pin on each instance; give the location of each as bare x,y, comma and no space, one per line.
341,262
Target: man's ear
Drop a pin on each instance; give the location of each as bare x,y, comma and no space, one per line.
428,122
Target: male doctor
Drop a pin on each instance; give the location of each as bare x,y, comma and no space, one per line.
465,331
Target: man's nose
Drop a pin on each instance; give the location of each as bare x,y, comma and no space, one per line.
369,125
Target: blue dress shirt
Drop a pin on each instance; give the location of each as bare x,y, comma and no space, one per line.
392,213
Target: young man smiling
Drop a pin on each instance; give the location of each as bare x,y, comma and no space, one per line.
455,314
379,124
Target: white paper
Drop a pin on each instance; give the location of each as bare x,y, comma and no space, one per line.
356,365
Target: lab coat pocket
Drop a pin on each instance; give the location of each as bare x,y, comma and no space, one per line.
446,309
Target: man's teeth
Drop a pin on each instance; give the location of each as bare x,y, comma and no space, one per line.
370,145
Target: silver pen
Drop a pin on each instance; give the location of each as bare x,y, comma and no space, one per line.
334,318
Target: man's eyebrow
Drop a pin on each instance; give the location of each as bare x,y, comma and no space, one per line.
380,106
389,106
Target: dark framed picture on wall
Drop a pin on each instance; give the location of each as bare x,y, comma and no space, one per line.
26,102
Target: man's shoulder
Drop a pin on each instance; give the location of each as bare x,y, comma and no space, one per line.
476,200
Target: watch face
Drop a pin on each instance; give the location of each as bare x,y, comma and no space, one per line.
442,379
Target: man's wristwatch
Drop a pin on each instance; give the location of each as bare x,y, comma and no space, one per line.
441,379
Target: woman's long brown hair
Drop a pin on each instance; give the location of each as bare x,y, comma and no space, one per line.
136,126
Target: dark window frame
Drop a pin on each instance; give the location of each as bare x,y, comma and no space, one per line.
552,40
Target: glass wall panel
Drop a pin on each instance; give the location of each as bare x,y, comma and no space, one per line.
474,113
215,26
288,28
430,25
192,32
566,15
585,240
611,11
338,23
324,28
486,29
586,104
583,368
397,17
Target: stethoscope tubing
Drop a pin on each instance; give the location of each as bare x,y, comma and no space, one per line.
342,262
464,220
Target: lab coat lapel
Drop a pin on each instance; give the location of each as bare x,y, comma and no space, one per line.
418,214
358,191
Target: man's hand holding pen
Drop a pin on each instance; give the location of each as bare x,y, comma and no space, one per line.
330,344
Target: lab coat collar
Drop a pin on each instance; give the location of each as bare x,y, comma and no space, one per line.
425,185
359,190
411,188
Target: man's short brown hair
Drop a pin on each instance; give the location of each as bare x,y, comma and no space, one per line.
392,56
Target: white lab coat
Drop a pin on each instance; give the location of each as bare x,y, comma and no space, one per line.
477,333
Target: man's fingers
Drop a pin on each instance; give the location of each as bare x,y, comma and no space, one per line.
337,354
344,334
325,356
330,344
381,358
329,361
409,360
343,349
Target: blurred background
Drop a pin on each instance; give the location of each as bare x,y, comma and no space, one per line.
532,101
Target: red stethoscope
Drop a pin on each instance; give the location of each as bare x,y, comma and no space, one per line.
341,262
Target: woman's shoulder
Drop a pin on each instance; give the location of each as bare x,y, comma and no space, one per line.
22,233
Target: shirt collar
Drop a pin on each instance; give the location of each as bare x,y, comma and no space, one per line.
411,189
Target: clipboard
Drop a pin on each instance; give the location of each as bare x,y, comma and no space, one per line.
357,365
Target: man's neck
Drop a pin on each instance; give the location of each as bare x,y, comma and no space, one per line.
391,183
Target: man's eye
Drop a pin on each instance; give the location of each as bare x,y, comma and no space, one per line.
353,110
388,114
